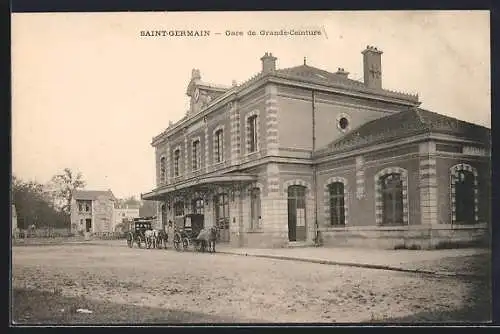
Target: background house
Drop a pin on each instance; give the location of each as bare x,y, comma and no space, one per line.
125,212
92,211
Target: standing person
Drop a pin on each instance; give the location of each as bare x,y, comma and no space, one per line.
170,232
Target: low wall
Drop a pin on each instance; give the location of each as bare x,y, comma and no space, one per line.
260,239
417,237
42,233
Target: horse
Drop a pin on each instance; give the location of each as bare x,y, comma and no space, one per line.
150,238
208,237
161,238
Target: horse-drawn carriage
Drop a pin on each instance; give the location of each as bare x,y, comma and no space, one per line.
190,231
137,231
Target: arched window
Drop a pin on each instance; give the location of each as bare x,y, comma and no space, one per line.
177,158
392,199
196,155
179,209
198,206
337,203
162,170
464,197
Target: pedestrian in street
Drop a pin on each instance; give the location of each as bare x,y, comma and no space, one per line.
170,232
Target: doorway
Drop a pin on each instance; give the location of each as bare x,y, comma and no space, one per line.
88,225
255,208
221,208
296,213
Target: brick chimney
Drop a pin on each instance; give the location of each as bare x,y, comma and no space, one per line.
268,63
372,67
195,74
342,72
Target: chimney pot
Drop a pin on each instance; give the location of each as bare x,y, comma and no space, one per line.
372,67
268,63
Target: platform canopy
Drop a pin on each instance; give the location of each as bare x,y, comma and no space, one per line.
202,184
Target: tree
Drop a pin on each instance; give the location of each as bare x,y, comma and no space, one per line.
62,187
33,207
147,209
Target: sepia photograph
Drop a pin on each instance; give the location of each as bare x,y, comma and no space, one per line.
252,167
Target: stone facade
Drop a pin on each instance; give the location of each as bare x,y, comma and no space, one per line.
395,165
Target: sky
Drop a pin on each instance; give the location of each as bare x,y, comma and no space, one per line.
89,93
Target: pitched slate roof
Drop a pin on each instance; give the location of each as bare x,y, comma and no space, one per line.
92,194
405,124
306,71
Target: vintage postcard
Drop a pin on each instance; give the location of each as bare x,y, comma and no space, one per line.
251,167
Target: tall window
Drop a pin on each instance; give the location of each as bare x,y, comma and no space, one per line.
219,146
464,197
255,210
177,158
252,133
179,209
222,205
198,206
337,203
196,155
392,197
162,170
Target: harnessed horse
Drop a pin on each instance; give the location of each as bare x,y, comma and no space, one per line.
151,238
161,238
208,237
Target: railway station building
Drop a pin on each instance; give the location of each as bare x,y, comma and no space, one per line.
303,156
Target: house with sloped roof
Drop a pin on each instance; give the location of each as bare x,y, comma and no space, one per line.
124,212
302,156
92,211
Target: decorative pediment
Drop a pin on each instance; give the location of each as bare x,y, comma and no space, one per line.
201,93
193,83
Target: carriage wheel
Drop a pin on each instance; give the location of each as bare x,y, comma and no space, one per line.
140,241
185,243
130,240
177,242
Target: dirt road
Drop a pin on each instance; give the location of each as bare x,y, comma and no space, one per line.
167,286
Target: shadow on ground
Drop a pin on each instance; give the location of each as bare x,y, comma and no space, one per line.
32,307
477,305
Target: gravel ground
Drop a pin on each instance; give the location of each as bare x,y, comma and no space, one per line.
138,285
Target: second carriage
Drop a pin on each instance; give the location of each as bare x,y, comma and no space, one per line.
137,229
187,229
